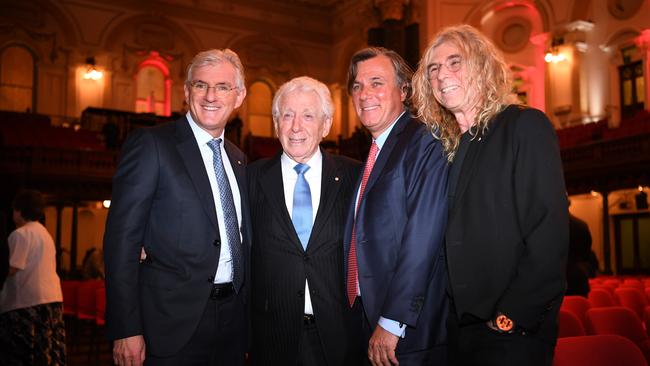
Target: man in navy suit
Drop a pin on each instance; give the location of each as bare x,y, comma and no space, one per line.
395,265
180,193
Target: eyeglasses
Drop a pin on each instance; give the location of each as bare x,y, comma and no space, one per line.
452,64
201,88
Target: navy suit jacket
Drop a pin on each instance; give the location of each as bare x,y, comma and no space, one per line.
400,230
162,200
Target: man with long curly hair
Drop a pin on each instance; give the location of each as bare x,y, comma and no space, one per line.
507,231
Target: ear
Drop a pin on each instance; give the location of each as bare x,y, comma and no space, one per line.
241,95
402,93
327,125
186,88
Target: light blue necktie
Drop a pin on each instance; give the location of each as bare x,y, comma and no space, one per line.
229,213
302,211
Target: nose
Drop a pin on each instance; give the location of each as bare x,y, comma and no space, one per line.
364,92
295,124
210,94
443,72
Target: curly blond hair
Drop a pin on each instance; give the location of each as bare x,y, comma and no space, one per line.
487,73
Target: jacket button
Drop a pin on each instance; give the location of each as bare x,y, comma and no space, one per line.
217,242
211,279
305,257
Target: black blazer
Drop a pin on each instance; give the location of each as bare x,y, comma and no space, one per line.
162,200
400,238
280,265
507,235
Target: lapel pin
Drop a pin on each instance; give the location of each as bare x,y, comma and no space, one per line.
336,179
480,138
238,162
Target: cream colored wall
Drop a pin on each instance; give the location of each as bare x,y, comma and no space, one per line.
90,229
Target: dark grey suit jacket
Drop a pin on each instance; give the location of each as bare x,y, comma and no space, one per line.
162,200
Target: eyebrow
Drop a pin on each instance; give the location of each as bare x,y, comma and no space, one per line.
455,55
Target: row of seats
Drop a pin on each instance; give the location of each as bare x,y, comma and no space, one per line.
614,306
84,308
591,132
31,135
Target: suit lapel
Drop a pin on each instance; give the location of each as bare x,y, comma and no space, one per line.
470,163
191,156
466,171
273,188
386,150
330,185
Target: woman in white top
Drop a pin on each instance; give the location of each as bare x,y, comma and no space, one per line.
31,312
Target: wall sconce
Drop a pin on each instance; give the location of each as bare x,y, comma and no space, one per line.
91,72
553,55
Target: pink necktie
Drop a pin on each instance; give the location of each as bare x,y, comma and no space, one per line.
352,279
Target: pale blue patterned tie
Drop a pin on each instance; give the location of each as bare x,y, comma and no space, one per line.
302,211
229,213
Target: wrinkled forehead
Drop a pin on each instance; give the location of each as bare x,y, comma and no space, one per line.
441,52
300,100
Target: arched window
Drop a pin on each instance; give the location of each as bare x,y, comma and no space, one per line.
153,86
17,79
259,119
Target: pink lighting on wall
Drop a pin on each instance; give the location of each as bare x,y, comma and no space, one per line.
643,40
158,62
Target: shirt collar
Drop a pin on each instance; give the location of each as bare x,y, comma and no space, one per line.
315,162
384,135
202,136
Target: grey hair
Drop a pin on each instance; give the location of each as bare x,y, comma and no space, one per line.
304,84
214,57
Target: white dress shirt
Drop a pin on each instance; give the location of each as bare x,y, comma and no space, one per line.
224,270
313,176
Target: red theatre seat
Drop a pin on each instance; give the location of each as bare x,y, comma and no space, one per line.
620,321
633,299
598,350
569,325
578,305
599,298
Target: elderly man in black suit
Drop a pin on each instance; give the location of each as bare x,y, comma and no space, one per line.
180,192
298,203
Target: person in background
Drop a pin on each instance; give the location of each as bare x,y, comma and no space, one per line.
4,250
394,236
92,266
579,262
298,203
31,310
508,230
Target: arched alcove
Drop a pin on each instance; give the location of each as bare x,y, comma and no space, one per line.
258,107
153,86
17,78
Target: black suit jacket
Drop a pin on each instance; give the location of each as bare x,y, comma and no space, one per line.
507,235
162,200
400,238
280,265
